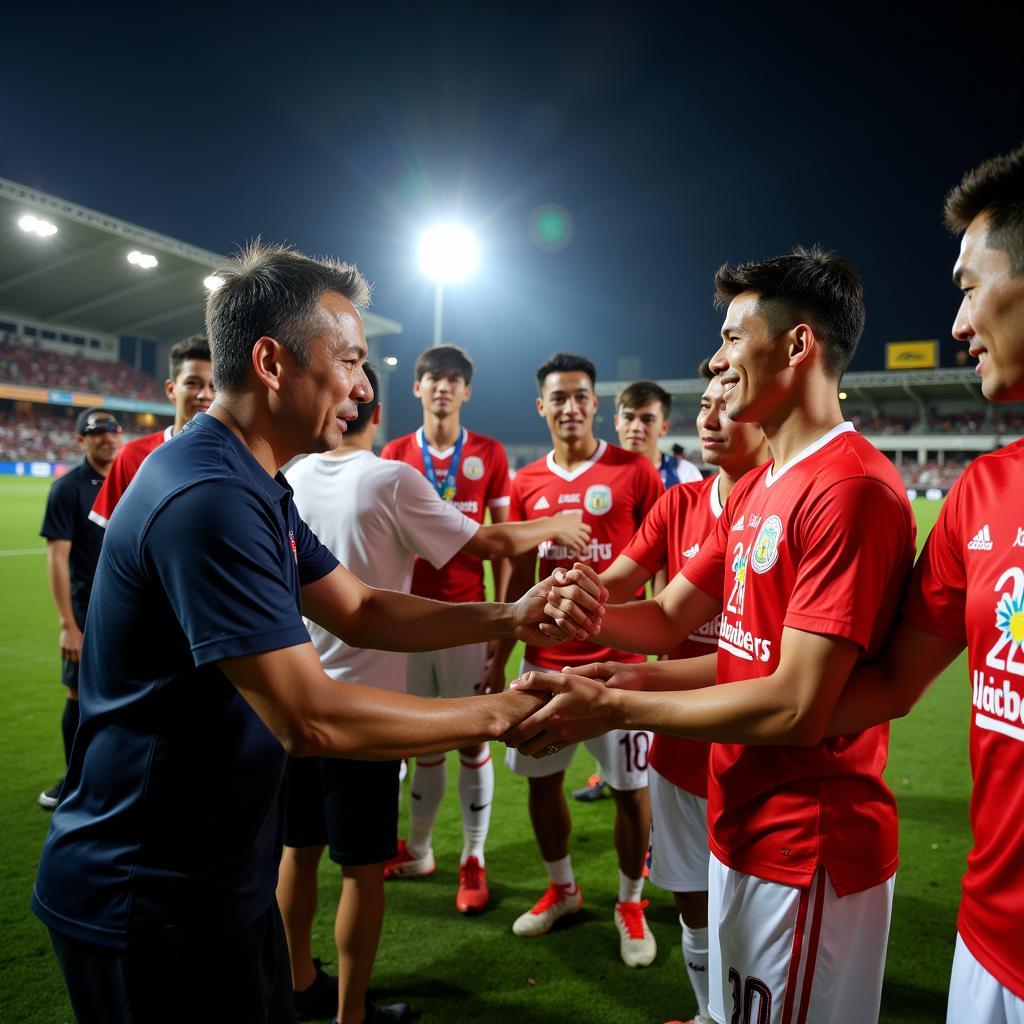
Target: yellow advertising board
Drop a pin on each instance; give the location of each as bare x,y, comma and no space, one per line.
911,355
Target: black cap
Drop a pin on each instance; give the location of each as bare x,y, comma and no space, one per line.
96,421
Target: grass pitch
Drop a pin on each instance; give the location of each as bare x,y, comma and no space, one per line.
452,968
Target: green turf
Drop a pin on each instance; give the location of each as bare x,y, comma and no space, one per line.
453,968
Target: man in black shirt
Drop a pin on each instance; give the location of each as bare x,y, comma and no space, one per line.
72,550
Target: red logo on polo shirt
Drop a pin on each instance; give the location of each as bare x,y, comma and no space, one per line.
293,546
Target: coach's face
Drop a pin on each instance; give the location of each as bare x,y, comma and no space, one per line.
567,401
752,363
324,396
991,316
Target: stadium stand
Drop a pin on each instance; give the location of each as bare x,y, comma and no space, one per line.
88,312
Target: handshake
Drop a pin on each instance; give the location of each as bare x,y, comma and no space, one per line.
545,711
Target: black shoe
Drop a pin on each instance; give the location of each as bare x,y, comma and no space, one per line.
49,797
394,1014
320,1000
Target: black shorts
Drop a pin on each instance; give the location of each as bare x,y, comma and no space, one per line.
349,806
245,976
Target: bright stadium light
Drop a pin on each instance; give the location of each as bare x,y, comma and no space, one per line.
842,394
391,361
33,225
145,260
212,282
448,254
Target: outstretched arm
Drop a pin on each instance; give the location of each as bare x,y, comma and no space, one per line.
391,621
791,706
649,627
313,715
890,685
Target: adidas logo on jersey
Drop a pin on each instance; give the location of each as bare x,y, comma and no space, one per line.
690,552
542,503
982,540
738,525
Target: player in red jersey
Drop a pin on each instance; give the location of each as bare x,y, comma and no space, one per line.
670,535
470,471
612,490
806,564
189,386
968,591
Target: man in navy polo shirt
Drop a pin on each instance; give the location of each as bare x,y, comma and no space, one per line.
72,551
157,877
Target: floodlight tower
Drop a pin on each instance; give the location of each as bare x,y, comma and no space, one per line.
448,254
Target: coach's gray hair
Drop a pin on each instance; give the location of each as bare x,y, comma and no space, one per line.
272,291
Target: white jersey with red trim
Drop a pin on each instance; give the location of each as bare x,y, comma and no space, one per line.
969,586
823,546
612,491
481,482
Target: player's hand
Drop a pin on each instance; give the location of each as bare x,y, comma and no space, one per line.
613,674
516,705
578,617
579,709
571,532
71,643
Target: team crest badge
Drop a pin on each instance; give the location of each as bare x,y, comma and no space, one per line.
473,468
598,499
765,552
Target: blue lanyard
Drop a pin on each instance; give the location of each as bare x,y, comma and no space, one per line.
447,489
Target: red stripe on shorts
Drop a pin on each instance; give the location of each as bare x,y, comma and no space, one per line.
794,957
812,947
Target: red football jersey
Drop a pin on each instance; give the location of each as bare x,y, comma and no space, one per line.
481,482
613,491
969,586
670,535
824,546
122,472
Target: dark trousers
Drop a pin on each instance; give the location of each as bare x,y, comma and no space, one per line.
242,977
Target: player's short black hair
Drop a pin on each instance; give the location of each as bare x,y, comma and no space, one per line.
704,370
272,291
641,393
196,346
809,285
996,188
566,362
445,360
362,421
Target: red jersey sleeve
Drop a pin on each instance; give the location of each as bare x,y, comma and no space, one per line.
390,451
936,600
707,568
516,512
649,545
498,485
854,538
121,474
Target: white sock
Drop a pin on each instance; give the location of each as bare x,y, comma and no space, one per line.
476,794
695,956
560,871
425,793
630,889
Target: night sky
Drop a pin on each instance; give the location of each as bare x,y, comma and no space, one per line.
676,139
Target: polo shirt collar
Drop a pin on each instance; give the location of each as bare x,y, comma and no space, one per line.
275,487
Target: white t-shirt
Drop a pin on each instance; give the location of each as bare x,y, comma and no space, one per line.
376,516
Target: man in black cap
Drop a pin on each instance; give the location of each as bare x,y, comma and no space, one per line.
72,550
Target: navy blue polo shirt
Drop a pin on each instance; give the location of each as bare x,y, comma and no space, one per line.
168,828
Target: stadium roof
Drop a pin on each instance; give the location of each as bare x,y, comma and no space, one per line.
81,276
